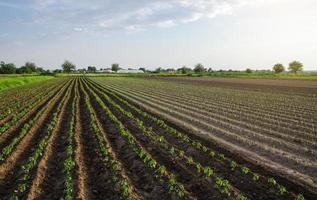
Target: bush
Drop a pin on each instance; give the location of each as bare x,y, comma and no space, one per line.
278,68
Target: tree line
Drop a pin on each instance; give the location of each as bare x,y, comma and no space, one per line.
69,67
293,67
27,68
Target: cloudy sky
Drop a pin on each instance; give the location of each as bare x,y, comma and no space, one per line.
222,34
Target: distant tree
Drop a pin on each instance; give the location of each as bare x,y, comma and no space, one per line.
7,68
184,70
91,69
295,67
22,70
170,70
31,66
248,70
210,69
46,72
40,70
56,71
115,67
158,70
278,68
68,67
142,69
199,68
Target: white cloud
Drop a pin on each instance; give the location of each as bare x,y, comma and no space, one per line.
128,15
165,24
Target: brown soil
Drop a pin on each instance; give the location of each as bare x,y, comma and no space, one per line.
14,130
195,184
141,176
307,87
253,190
98,177
41,173
80,179
10,170
27,100
53,184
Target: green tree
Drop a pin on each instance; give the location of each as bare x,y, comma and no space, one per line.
68,67
31,66
24,70
184,70
91,69
278,68
158,70
56,71
7,68
115,67
199,68
295,67
142,69
248,70
40,70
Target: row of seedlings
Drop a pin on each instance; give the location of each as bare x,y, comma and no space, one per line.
223,184
69,163
40,99
7,150
232,107
229,121
220,134
207,150
126,189
33,160
20,98
158,169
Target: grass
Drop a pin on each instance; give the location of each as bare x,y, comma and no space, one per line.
14,81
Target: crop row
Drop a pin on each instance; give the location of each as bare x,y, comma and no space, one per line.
105,149
208,172
36,102
34,159
231,111
216,98
277,139
196,144
255,122
218,131
156,168
69,163
6,151
14,100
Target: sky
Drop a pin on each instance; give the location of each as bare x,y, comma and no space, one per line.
220,34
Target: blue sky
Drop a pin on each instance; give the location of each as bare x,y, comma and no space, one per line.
221,34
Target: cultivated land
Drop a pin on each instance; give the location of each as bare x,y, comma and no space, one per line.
159,137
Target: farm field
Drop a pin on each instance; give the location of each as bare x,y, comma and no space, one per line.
159,137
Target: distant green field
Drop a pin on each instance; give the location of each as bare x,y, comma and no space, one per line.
14,81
